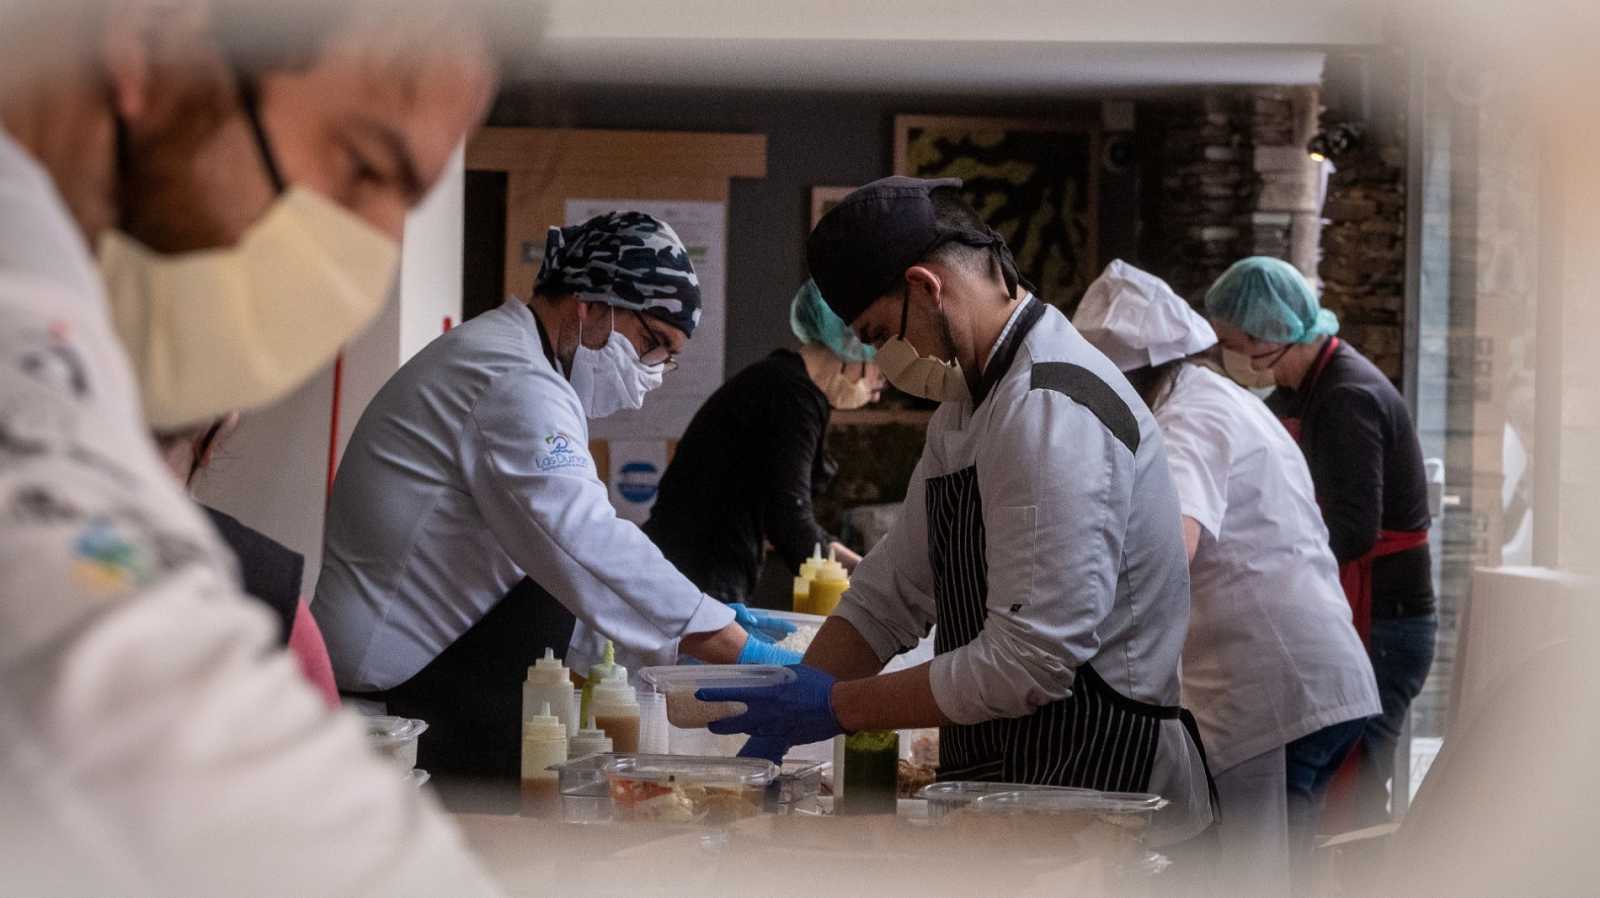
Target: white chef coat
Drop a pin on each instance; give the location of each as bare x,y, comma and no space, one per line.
1085,558
1272,654
469,469
154,739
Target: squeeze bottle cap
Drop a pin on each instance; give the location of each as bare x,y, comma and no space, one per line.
544,725
613,688
548,671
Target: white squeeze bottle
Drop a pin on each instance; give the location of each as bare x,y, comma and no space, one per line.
544,743
615,707
549,683
590,740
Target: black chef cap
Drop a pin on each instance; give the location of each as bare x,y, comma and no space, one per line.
863,245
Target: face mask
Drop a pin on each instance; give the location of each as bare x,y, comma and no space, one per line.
612,378
917,374
240,327
1237,364
846,392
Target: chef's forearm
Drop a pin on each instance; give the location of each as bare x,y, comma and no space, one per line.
841,650
716,647
902,700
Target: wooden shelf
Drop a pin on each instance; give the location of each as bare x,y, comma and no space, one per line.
867,417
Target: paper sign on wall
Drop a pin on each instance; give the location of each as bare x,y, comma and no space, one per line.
702,226
636,469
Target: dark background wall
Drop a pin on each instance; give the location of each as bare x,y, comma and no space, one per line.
812,139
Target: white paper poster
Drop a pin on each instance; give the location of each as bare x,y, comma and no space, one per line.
703,228
636,469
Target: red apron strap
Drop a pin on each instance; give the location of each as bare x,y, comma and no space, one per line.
1356,576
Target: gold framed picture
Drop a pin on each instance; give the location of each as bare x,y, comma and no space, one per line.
1035,181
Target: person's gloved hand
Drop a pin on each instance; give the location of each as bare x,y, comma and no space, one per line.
760,624
769,748
757,651
799,712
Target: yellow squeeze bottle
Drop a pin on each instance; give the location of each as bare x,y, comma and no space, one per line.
802,593
802,583
827,587
809,567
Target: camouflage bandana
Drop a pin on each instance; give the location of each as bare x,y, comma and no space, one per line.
625,259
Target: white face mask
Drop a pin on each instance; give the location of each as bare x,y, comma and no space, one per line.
1238,366
921,375
846,392
240,327
612,378
917,374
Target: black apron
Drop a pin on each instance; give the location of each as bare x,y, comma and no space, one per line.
471,695
1095,739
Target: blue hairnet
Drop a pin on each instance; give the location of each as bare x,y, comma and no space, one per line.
1268,299
813,322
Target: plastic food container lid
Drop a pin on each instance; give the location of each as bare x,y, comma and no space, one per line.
752,772
383,731
968,791
1063,801
715,676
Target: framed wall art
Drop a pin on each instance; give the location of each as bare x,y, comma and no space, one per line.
1035,181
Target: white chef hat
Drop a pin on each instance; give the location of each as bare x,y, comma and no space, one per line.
1138,321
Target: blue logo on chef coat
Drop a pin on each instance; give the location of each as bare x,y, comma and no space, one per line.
637,481
561,451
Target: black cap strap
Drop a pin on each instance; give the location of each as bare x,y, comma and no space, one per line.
250,101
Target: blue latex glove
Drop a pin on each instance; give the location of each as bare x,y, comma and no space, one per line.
757,651
759,624
798,713
769,748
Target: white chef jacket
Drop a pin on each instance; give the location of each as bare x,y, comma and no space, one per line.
1085,558
469,469
1272,654
154,739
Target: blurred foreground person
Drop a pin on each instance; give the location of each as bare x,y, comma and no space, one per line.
243,173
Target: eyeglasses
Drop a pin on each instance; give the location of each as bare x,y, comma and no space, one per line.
655,352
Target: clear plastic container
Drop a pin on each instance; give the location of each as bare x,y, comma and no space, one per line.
681,789
798,789
680,683
395,738
653,729
585,793
1128,811
945,798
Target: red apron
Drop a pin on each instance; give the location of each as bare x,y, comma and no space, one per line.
1356,576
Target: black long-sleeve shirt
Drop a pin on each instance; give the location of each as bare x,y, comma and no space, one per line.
1366,464
743,475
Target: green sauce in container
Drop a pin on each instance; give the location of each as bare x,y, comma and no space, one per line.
871,771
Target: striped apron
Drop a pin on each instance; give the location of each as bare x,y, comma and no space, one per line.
1094,739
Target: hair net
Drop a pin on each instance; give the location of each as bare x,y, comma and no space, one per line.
1137,321
1269,299
813,322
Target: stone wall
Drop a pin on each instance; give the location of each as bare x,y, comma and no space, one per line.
1205,188
1232,179
1364,253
